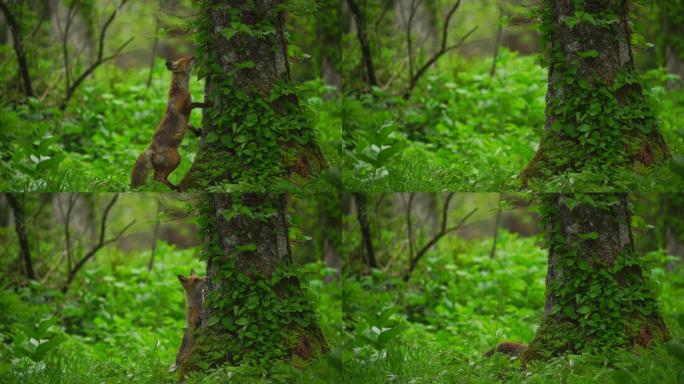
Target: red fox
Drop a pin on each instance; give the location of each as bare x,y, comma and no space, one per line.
192,285
162,154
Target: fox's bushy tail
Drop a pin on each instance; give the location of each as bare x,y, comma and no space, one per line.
141,169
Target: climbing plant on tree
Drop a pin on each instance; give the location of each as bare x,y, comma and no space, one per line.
256,310
255,130
598,120
598,294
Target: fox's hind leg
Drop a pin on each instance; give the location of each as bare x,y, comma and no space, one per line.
165,162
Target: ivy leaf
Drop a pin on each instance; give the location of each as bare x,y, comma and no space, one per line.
212,137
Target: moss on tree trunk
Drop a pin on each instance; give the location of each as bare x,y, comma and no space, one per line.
255,129
597,116
255,309
598,296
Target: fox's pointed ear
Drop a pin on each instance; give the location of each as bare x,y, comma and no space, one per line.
182,279
192,272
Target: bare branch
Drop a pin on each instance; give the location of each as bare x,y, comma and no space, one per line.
100,57
444,230
100,244
444,48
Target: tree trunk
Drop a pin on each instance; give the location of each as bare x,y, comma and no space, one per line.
15,29
362,36
597,118
598,297
672,235
366,238
21,234
254,129
255,309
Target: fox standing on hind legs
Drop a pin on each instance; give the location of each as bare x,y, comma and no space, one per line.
162,154
192,285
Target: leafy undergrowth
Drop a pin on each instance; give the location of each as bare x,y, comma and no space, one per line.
461,303
93,145
123,324
120,323
463,130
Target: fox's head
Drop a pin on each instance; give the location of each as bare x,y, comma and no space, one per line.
192,283
182,65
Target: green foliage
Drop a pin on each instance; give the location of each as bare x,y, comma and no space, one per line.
463,130
463,302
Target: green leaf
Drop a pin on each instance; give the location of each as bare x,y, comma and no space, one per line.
49,345
212,137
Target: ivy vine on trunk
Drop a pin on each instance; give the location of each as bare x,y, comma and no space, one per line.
255,129
598,119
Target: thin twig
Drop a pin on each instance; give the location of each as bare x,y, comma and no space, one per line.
444,48
444,230
100,57
100,244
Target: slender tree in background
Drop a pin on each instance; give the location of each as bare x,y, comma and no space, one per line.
255,310
255,129
361,202
18,44
597,117
598,296
362,36
18,214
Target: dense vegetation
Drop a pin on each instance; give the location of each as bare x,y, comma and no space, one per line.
391,191
462,299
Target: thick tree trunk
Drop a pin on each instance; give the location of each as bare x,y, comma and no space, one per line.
255,309
597,118
25,250
597,295
254,129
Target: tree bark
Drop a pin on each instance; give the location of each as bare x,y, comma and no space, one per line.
598,297
21,233
597,118
254,129
255,309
